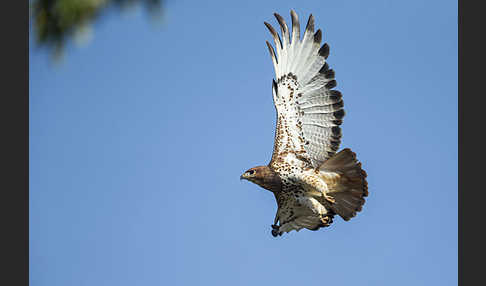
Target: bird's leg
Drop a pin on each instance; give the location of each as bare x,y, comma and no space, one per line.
314,183
329,198
275,227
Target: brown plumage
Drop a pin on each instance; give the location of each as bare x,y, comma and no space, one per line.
310,181
265,177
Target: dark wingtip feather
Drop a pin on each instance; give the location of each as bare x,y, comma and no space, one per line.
334,143
329,74
310,24
331,84
318,36
337,122
337,105
339,114
336,97
336,93
274,33
295,25
270,28
336,131
324,51
272,52
274,83
294,17
281,21
324,68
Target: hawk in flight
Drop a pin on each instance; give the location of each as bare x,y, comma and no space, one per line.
310,181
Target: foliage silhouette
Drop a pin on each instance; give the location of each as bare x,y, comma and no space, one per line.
56,21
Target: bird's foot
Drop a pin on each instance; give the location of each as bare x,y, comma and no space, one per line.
329,198
274,233
326,220
275,230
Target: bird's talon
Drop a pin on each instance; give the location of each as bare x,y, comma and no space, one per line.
326,220
274,226
275,233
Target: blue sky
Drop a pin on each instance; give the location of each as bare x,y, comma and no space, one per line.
138,139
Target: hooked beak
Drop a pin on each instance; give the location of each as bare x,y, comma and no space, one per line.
243,177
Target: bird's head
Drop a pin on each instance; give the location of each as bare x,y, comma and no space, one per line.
264,177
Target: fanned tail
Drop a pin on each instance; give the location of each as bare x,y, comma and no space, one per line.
346,182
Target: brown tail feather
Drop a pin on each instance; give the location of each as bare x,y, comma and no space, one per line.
346,183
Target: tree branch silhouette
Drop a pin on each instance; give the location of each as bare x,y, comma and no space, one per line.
57,21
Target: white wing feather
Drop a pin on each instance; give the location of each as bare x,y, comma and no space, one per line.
307,107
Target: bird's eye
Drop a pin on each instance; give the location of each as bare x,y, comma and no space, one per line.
251,172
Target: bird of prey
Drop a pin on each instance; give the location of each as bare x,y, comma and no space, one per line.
310,181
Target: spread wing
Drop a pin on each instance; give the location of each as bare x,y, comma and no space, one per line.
309,112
